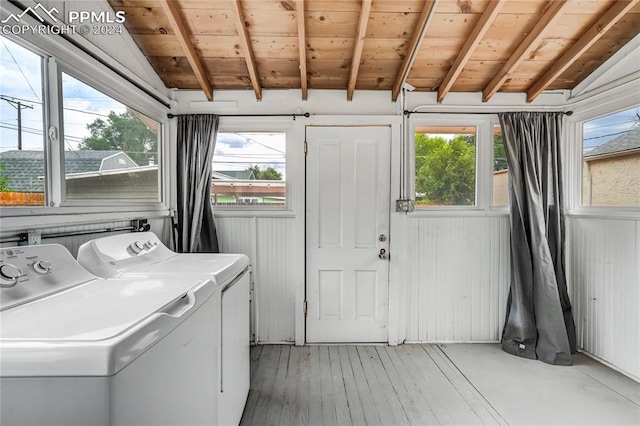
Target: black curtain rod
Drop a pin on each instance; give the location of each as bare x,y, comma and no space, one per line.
306,115
23,236
407,112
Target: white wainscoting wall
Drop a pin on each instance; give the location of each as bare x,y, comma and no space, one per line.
604,277
270,243
457,278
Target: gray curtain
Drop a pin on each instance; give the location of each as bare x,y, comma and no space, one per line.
539,323
196,143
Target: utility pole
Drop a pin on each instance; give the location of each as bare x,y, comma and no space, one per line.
18,106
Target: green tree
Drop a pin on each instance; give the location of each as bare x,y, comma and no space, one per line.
4,181
123,132
499,154
267,174
445,169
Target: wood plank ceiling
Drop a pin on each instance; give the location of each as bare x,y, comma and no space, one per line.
444,46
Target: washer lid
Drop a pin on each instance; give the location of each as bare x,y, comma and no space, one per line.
96,328
221,268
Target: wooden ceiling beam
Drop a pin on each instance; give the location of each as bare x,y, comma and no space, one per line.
593,34
182,35
245,43
531,41
365,10
302,48
479,30
414,46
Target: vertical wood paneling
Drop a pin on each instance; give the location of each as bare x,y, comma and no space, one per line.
604,280
457,278
270,245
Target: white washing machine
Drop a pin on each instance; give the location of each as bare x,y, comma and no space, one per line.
142,253
79,350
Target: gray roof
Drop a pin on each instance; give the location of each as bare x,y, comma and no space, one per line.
25,169
628,141
234,174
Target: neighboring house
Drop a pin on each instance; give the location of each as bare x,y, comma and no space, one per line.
239,187
611,172
25,169
233,174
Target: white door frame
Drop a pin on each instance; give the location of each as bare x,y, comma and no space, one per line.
396,289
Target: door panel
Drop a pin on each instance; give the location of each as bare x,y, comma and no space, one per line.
347,211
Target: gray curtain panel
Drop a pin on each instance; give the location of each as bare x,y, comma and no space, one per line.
196,143
539,323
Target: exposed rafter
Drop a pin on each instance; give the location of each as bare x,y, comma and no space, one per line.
593,34
480,29
414,46
182,35
245,43
357,51
302,47
531,41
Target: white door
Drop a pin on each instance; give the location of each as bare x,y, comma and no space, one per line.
347,233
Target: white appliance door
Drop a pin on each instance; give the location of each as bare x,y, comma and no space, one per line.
348,203
234,361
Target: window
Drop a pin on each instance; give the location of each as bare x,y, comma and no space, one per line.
249,169
22,156
611,160
445,165
111,150
500,188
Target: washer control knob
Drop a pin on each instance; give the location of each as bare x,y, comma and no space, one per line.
42,267
9,275
149,245
137,247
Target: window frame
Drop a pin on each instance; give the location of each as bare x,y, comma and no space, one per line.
484,161
108,83
102,88
591,108
262,125
578,129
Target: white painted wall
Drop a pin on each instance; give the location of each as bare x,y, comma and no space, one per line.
457,278
604,272
603,243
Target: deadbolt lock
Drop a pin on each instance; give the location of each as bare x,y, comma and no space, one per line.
382,238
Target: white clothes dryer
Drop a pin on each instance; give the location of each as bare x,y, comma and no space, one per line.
128,255
80,350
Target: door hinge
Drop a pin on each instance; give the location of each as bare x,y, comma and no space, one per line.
305,307
306,148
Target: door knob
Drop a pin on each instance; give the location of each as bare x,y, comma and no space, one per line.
383,254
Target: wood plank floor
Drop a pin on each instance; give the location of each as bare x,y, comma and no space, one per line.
413,384
361,385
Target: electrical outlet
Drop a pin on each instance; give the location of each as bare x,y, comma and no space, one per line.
404,205
34,238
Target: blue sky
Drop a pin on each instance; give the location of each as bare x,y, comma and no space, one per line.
599,131
20,79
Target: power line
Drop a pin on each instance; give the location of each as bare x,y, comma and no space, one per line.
604,136
21,72
258,143
64,108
